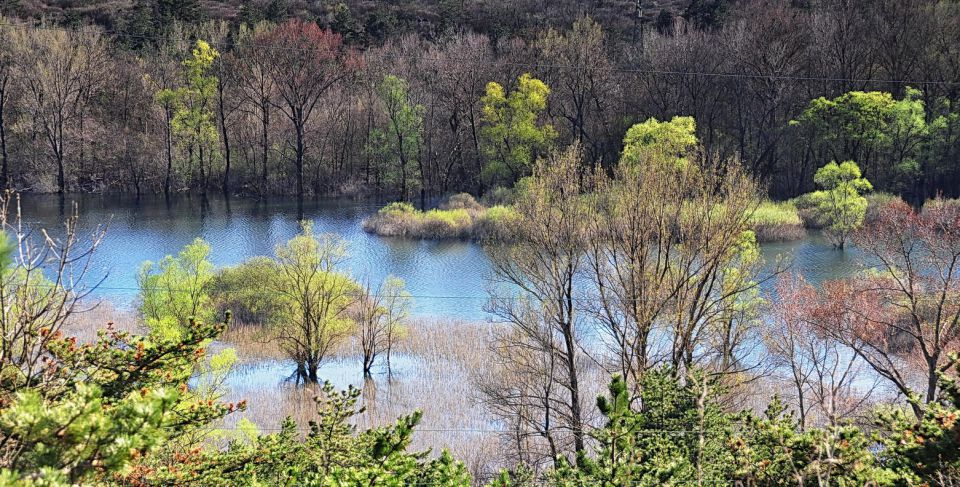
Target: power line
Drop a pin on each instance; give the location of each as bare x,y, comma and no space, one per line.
371,295
533,65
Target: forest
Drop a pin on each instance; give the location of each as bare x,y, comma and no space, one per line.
293,99
713,242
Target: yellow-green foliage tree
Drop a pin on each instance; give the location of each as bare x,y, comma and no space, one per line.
175,295
315,297
656,141
177,289
513,135
193,122
885,135
840,205
398,143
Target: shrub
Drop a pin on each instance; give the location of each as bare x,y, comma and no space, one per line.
496,221
239,289
875,201
776,222
461,216
499,196
396,207
462,201
440,224
806,205
393,220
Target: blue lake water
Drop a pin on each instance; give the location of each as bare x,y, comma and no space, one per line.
448,278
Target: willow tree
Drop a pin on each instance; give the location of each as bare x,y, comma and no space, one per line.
840,205
513,135
177,289
316,297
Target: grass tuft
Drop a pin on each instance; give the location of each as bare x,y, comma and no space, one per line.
460,217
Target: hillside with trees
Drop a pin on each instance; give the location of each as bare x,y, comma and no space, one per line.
289,99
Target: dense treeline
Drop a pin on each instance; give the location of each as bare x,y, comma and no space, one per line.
331,105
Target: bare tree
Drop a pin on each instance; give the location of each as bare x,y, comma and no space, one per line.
257,90
675,280
41,288
306,62
58,69
576,66
6,85
542,264
828,378
380,314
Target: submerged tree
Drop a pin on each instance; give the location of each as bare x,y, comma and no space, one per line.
315,297
840,205
883,134
304,63
177,289
58,71
380,315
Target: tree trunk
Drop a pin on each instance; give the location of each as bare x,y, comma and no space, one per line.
265,120
300,151
571,363
203,171
3,134
226,144
169,141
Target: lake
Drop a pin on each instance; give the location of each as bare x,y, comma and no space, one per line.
447,279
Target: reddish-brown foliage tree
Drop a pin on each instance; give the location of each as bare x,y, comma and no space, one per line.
903,315
825,374
306,61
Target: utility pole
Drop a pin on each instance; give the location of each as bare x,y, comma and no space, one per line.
638,25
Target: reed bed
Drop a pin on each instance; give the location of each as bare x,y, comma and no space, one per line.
434,367
777,222
100,315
